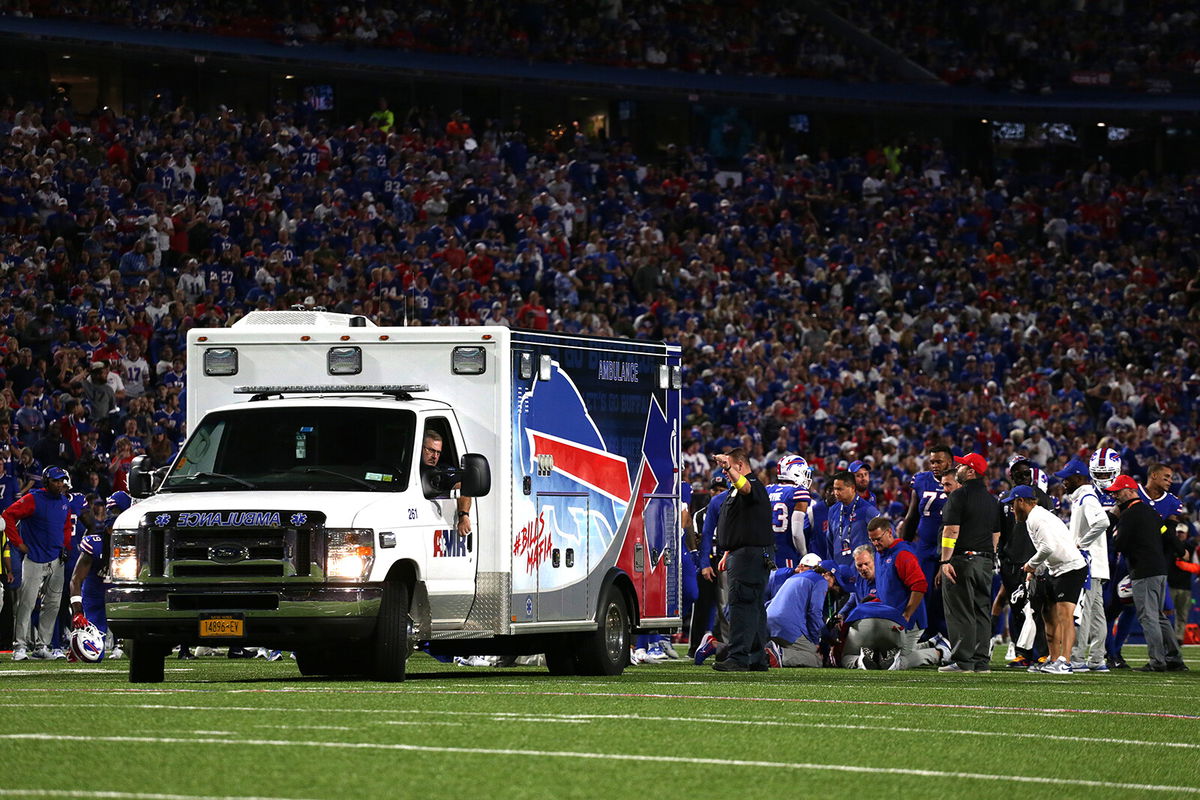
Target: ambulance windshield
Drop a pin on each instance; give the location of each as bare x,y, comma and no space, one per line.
298,449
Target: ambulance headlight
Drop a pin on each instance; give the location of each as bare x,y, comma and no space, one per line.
349,553
220,361
123,561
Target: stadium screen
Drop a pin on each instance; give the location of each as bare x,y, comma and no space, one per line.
1008,131
319,98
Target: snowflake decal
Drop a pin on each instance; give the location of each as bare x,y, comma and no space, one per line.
299,519
162,519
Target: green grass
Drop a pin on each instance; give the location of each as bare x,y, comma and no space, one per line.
236,729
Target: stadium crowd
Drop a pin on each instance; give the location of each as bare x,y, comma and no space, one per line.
767,39
1005,46
1039,47
856,306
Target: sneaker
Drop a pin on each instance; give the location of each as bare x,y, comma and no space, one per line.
729,665
639,656
41,652
1151,668
950,668
1177,666
57,654
655,654
708,646
275,655
861,661
667,649
1036,666
1079,666
774,655
116,654
1019,663
241,652
20,654
1119,663
1011,652
1101,667
997,640
984,670
1058,666
186,654
943,646
203,652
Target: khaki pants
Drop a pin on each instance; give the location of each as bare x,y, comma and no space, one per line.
34,578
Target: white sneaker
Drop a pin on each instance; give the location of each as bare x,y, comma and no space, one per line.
117,654
1079,666
20,654
41,652
667,648
639,656
1058,666
655,654
202,651
57,654
1011,653
275,655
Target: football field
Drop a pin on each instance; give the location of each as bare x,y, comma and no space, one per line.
220,728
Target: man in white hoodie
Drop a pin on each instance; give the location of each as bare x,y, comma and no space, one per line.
1088,525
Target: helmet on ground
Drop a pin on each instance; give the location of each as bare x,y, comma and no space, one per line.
1104,466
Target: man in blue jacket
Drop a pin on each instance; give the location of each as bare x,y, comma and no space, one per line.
795,611
39,527
848,520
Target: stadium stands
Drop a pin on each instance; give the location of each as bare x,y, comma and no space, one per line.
863,304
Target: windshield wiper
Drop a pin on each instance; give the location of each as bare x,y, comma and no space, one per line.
233,478
369,486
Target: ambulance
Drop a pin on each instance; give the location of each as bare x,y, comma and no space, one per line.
302,512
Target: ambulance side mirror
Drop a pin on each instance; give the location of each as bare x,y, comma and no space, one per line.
140,477
476,475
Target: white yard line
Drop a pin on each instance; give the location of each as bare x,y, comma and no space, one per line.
628,757
98,795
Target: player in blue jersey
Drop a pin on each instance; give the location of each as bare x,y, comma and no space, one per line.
789,504
922,527
1156,495
90,576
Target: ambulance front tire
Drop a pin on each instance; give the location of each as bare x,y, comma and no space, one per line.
392,634
606,652
146,662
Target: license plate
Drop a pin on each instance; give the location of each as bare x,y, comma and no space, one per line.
228,626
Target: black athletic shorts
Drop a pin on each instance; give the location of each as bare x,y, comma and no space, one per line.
1067,587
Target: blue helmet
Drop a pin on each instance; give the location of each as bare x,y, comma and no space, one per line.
119,501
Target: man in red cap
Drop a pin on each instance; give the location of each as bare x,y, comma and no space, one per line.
970,531
1143,536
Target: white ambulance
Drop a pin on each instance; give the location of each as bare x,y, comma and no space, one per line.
303,513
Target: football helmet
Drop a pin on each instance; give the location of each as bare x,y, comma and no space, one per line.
1104,466
118,501
1125,590
87,643
795,469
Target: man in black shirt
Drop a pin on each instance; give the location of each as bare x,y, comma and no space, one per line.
1015,550
970,532
1143,536
744,533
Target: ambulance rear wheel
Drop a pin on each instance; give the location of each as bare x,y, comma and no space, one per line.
146,662
392,634
606,652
